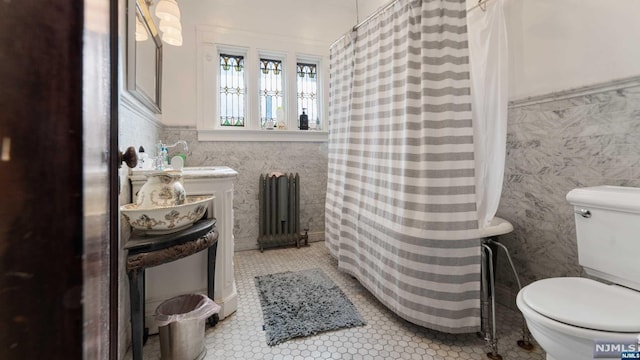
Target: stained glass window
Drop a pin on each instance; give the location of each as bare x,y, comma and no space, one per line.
308,93
232,90
271,93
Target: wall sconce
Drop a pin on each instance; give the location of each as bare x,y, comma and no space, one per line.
169,14
171,32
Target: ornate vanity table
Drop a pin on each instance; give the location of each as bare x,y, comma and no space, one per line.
146,251
189,275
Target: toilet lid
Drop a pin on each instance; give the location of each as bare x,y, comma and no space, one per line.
585,303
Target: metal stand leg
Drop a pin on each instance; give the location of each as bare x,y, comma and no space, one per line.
525,343
490,337
136,291
211,280
485,332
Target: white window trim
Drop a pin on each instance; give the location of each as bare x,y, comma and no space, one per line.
229,50
267,54
320,79
211,41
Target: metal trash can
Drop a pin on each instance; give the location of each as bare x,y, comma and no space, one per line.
181,325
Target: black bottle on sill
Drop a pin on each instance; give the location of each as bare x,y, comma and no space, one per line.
304,121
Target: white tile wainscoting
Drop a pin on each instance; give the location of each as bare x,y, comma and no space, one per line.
555,143
250,159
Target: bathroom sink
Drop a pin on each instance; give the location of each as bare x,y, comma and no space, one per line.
189,172
196,170
166,219
201,168
184,169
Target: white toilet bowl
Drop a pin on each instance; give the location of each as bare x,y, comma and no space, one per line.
567,315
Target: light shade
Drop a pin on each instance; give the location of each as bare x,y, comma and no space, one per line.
141,31
172,38
168,10
171,32
170,26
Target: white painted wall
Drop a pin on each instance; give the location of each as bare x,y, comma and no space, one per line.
368,7
560,45
553,45
315,20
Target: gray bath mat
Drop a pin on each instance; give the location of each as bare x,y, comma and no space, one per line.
303,303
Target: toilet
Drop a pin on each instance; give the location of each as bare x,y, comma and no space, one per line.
568,315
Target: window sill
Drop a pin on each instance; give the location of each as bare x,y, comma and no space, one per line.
263,135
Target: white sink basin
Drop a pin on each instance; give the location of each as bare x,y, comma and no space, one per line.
201,168
190,172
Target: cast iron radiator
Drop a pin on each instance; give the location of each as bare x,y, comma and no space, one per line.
279,199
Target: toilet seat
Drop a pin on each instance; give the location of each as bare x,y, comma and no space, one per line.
585,303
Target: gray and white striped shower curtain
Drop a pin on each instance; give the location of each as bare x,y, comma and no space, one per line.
401,205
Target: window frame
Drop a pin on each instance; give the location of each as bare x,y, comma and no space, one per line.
233,51
315,60
212,41
282,57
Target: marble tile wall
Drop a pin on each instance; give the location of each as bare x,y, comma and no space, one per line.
250,159
552,147
136,128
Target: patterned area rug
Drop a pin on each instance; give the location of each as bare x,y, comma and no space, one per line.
303,303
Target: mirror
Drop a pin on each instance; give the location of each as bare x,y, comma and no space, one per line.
144,55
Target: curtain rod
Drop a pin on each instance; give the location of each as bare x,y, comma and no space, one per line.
366,20
376,13
482,4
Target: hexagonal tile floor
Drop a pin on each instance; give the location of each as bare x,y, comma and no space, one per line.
386,336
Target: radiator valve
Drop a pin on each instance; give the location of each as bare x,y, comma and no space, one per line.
305,237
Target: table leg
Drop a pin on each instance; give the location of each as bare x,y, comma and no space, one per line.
136,294
211,282
143,302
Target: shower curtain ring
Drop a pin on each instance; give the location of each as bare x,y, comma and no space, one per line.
482,4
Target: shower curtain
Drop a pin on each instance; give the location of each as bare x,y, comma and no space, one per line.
489,85
401,200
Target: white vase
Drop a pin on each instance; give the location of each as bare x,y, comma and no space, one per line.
162,189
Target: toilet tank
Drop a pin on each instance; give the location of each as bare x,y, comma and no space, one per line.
608,232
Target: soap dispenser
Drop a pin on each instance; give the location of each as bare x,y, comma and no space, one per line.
164,155
161,156
304,120
143,159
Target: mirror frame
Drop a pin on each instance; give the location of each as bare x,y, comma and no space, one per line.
152,101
